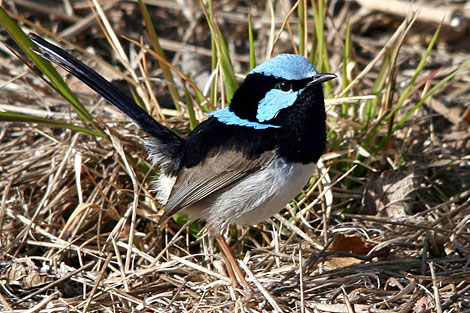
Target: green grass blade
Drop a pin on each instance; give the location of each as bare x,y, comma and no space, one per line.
223,56
25,118
419,68
372,105
320,57
230,81
189,103
319,38
430,94
252,43
301,12
199,97
412,82
214,61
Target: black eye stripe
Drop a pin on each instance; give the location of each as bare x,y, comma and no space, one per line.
295,85
302,83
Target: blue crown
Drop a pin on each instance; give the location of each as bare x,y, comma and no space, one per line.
286,66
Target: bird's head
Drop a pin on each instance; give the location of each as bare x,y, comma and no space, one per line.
272,87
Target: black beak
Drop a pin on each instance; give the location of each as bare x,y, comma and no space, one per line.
321,78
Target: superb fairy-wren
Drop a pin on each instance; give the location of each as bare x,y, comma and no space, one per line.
246,161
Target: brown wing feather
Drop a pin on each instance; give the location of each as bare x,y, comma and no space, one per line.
216,172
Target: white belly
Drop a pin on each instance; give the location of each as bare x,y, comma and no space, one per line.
255,198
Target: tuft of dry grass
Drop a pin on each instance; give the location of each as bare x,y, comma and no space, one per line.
383,226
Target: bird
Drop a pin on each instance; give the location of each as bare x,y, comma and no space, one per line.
242,164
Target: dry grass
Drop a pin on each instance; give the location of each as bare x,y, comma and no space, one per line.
390,235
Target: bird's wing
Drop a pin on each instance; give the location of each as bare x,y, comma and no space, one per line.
216,172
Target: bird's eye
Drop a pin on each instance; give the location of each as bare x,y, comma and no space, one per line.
284,86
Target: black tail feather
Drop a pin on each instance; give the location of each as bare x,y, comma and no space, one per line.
108,91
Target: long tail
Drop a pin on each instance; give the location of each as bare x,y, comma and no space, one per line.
169,140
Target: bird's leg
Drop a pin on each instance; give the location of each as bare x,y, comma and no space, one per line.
231,262
231,273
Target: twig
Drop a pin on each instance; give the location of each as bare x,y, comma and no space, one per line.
97,283
437,297
263,290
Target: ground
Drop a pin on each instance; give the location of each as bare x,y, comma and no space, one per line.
382,226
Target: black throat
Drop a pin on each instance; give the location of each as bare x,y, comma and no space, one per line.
302,137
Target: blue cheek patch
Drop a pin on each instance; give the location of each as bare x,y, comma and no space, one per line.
228,117
274,101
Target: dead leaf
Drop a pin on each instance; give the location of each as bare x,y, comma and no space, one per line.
23,273
393,194
351,243
348,243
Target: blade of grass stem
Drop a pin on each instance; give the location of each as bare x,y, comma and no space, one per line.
346,60
285,24
155,108
157,47
320,57
189,104
26,118
214,93
302,14
199,97
272,29
228,75
390,88
371,105
252,43
223,56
